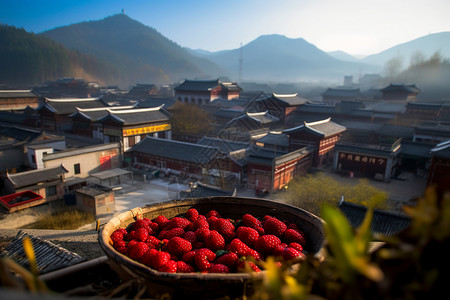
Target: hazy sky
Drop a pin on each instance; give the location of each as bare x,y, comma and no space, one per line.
358,27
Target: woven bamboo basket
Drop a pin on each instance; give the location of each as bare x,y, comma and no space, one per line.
205,286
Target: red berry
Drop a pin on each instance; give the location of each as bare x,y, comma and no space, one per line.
200,223
215,241
119,243
294,236
203,258
169,267
192,214
161,259
161,221
183,267
141,224
250,221
188,257
290,253
117,235
255,254
141,234
153,240
137,250
296,246
229,259
243,265
177,246
219,268
247,235
177,222
202,234
174,232
212,213
267,243
190,236
149,258
274,226
238,247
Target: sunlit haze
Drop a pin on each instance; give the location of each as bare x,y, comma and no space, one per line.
354,26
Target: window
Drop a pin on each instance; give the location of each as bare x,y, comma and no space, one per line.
50,191
76,169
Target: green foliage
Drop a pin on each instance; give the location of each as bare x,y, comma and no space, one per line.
312,191
412,265
189,118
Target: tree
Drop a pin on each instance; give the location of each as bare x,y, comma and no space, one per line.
393,67
189,118
312,191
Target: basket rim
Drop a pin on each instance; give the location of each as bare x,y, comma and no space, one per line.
115,222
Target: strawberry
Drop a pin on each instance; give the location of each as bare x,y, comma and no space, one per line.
225,228
255,254
177,222
296,246
247,266
137,250
190,236
192,214
153,240
177,246
247,235
149,258
229,259
119,243
212,213
278,250
238,247
250,221
203,258
211,220
161,259
141,234
188,257
141,224
183,267
202,233
290,253
117,235
169,267
161,220
219,268
201,222
174,232
215,241
274,226
266,244
294,236
122,250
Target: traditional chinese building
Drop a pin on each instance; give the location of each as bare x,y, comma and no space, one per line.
249,126
322,135
175,157
18,99
204,91
280,105
54,113
377,161
268,170
401,92
131,126
332,96
439,174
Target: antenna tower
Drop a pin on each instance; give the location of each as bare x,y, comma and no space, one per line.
240,64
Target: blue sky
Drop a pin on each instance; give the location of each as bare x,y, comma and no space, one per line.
359,27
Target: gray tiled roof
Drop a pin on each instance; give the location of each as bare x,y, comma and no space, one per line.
137,116
324,128
342,92
69,106
28,178
197,85
279,139
176,150
285,99
383,222
402,87
17,94
224,145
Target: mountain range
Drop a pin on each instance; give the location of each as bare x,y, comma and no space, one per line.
120,50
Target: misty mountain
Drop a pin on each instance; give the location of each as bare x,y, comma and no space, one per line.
426,46
278,58
341,55
141,53
28,59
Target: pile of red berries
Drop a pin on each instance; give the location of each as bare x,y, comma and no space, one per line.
208,243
